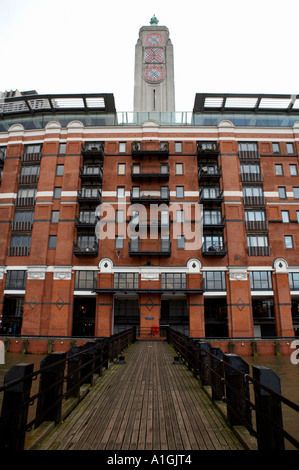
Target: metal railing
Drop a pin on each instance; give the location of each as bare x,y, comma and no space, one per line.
61,377
230,382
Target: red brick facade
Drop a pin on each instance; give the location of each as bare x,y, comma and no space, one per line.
237,284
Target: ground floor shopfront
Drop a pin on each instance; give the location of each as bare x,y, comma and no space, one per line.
233,303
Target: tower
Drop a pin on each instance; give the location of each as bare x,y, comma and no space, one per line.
154,69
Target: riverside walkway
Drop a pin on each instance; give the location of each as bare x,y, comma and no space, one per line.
147,403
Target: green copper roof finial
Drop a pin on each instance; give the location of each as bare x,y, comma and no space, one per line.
154,20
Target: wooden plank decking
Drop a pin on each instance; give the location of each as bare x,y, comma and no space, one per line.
148,403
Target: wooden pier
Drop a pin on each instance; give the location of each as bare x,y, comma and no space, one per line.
147,403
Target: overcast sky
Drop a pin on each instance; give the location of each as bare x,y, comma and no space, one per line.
88,46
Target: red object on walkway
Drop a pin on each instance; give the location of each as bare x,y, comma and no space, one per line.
155,329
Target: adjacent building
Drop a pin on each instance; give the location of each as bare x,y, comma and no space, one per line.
153,218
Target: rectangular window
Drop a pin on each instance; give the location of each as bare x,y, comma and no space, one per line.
62,149
57,193
247,146
214,280
59,170
16,279
85,280
293,170
294,281
52,241
37,148
255,215
173,281
126,280
180,192
30,170
288,240
282,192
297,214
23,216
122,147
252,168
290,148
213,242
119,217
136,169
180,216
120,192
181,242
285,217
121,169
212,217
296,192
20,241
119,241
257,240
278,170
178,147
275,147
260,280
26,193
251,191
164,168
55,217
179,168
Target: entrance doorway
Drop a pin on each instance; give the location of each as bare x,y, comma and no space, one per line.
175,314
84,316
126,314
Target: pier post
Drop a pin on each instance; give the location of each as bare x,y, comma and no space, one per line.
15,407
237,390
50,388
268,409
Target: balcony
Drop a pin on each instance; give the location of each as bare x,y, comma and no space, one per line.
93,152
209,173
139,151
25,226
259,251
150,197
158,224
149,248
150,173
211,197
214,249
256,225
86,249
254,201
86,221
213,223
18,251
250,155
31,157
28,180
25,202
251,177
89,196
207,149
91,173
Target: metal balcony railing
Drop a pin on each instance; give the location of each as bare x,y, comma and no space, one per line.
91,173
18,251
149,173
254,201
25,226
150,247
214,249
256,225
31,157
150,196
251,177
85,249
259,250
89,196
249,155
26,180
25,201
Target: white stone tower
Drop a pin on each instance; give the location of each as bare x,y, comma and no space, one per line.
154,70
